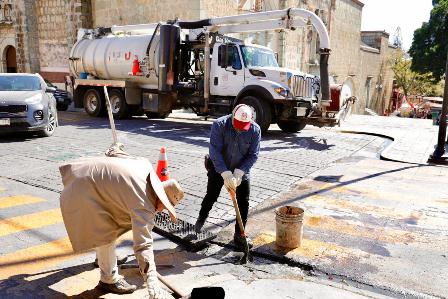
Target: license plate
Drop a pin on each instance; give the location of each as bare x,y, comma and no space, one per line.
5,122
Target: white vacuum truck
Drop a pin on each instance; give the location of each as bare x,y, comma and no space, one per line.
154,68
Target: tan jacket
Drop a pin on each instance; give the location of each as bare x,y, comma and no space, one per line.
105,197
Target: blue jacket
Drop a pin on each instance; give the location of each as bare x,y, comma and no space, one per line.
230,149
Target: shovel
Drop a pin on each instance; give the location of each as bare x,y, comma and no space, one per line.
247,256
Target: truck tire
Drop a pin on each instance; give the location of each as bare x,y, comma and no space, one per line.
157,115
262,111
120,109
290,126
93,102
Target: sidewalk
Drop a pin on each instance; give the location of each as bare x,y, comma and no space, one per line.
77,278
414,139
377,222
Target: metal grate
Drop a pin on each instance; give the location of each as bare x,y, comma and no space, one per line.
302,86
182,232
13,108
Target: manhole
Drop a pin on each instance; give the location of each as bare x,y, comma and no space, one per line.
181,232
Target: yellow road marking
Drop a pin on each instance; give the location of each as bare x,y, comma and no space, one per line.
12,201
30,221
2,189
33,259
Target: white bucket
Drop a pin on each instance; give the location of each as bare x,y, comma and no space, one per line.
289,226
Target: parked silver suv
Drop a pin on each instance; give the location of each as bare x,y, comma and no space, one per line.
27,104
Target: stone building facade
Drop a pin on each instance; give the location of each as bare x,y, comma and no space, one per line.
41,32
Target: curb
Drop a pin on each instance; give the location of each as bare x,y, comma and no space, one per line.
384,151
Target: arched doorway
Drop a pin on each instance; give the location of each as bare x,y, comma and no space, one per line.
11,60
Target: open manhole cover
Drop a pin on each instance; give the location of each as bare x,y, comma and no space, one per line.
182,232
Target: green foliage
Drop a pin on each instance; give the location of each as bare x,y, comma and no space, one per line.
430,45
411,82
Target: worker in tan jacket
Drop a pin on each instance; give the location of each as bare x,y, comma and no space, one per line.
105,197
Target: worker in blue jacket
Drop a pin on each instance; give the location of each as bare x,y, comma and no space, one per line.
234,148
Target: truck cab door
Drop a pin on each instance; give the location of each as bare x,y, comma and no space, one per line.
226,72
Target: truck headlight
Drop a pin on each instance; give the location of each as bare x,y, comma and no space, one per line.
282,91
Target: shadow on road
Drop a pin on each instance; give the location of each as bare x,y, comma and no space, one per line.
197,133
53,283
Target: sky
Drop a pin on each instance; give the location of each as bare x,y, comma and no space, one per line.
389,14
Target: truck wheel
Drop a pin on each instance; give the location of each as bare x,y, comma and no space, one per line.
290,126
157,115
93,102
262,111
120,109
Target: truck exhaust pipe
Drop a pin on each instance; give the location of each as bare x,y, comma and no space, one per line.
324,77
169,46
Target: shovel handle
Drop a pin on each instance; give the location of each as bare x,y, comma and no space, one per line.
237,212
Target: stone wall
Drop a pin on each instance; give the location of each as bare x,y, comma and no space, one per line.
125,12
217,8
58,23
376,72
7,39
51,22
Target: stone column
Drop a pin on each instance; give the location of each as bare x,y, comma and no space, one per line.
78,16
27,39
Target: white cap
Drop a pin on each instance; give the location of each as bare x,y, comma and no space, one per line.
242,116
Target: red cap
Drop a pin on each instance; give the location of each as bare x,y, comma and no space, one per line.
242,116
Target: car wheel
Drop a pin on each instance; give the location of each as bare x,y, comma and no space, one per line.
120,109
290,126
262,111
93,102
52,124
62,107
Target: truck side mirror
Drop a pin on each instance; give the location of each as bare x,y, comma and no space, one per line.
223,53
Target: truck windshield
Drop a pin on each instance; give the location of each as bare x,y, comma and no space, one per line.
254,56
19,83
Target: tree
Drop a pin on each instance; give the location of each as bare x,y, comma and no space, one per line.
411,82
430,45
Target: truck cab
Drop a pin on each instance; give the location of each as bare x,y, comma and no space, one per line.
250,74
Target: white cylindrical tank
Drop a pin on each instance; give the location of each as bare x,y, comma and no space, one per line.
112,57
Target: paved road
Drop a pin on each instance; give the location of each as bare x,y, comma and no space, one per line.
31,230
284,158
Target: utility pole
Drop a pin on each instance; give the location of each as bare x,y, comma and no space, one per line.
440,149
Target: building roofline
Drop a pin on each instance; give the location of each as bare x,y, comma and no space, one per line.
376,31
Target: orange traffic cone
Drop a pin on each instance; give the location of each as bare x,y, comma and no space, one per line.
135,66
162,166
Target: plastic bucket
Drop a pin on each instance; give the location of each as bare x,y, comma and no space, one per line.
289,226
83,75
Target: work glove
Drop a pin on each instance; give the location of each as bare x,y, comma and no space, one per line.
238,174
155,290
229,180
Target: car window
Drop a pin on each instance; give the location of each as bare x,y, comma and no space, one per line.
19,83
233,57
49,83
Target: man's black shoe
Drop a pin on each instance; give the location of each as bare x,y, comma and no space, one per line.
239,241
120,287
198,225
